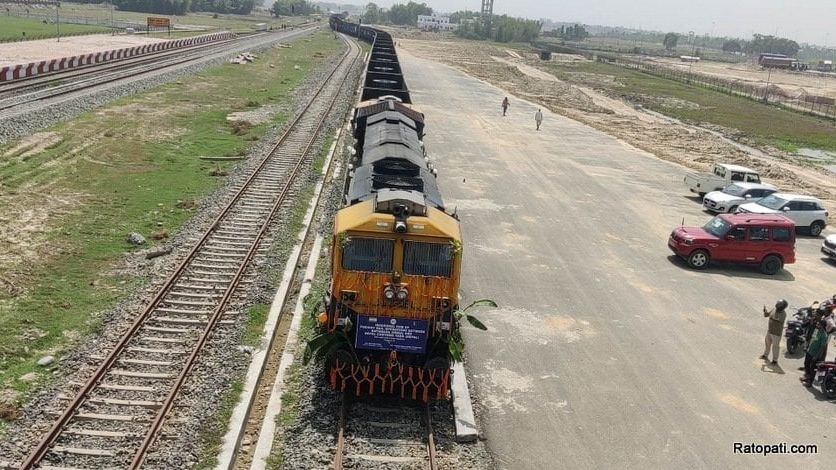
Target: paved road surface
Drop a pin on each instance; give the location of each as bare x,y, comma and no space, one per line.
607,352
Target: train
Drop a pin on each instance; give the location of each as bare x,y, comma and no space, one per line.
395,255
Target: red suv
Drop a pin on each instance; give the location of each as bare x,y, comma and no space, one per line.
764,239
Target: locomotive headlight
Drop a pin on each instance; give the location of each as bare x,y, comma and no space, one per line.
403,293
400,226
389,293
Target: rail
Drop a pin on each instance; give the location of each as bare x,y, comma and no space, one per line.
421,417
248,204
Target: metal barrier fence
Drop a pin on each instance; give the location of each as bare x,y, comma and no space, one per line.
771,94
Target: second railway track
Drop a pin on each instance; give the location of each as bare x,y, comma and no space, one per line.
114,418
17,98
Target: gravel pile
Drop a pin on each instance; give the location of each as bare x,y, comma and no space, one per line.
224,361
40,117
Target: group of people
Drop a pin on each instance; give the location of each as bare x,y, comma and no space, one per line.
538,116
822,325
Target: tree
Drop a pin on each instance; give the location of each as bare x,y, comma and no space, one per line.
575,32
164,7
732,45
373,14
292,8
505,29
408,14
240,7
771,44
670,41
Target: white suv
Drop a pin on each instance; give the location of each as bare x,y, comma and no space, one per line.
806,211
734,195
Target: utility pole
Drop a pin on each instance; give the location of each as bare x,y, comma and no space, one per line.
112,28
766,91
58,20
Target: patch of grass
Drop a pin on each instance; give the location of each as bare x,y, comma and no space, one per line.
256,316
134,181
12,28
763,123
212,435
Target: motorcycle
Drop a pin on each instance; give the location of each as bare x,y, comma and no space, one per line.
797,330
825,379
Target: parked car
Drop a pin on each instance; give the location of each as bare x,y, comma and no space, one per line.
765,240
806,211
721,176
828,247
734,195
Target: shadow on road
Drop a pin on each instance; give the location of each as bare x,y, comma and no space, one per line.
733,270
772,369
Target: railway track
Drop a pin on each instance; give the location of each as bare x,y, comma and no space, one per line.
387,434
16,95
115,417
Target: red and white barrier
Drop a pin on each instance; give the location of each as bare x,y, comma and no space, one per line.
16,72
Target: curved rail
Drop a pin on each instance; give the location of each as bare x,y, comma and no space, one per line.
177,277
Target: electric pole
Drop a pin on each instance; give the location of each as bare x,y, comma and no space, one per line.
487,14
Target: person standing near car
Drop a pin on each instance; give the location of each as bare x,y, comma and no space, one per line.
774,330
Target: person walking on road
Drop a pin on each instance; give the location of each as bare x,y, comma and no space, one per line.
538,118
774,330
505,105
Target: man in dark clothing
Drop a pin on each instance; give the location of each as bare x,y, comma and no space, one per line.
505,105
777,316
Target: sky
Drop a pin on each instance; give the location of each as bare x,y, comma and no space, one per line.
802,20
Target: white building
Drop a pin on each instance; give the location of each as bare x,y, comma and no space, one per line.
435,23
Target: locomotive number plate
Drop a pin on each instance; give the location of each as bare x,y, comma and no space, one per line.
392,334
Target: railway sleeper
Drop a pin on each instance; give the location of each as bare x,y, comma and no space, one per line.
190,303
83,451
178,311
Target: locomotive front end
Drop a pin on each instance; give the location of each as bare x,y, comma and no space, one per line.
395,279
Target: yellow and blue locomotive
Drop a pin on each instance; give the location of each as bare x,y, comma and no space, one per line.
396,252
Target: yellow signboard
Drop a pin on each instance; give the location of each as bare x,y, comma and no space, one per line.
157,22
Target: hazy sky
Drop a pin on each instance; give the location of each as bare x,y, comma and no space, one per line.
802,20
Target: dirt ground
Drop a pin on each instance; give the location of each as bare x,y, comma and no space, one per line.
666,138
791,82
45,49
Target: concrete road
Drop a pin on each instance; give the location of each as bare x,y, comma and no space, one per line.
607,352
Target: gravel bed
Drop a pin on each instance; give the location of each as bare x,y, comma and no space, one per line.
309,442
224,363
217,369
42,117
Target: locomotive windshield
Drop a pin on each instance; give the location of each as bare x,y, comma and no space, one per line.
428,259
368,254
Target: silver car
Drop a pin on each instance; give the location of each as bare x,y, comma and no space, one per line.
734,195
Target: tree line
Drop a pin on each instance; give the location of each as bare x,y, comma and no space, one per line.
758,45
181,7
400,14
293,8
502,28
